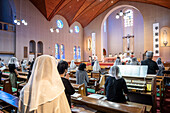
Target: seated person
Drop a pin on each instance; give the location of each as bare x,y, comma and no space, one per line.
160,66
44,92
115,56
81,75
134,61
72,65
117,62
24,66
2,63
110,55
115,86
13,71
132,55
152,65
128,62
96,67
62,69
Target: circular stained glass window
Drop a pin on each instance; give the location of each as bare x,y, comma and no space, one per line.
76,28
59,23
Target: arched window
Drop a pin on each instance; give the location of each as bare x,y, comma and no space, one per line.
57,51
75,52
40,48
59,24
76,28
105,26
62,52
32,47
79,52
128,18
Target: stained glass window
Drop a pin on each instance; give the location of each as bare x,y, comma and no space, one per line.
105,26
76,28
62,52
59,24
128,18
79,52
57,51
75,52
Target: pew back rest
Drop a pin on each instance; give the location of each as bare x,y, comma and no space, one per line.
82,90
7,87
95,75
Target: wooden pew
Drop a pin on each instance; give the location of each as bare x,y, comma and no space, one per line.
23,73
20,76
80,88
107,106
9,99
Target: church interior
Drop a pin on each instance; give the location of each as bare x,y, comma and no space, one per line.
85,56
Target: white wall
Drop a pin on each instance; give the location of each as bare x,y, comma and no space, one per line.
38,29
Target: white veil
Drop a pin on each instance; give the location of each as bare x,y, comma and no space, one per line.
72,65
44,84
96,66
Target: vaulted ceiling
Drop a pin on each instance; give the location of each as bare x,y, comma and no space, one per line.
83,11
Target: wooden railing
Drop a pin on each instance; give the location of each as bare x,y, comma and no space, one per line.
7,27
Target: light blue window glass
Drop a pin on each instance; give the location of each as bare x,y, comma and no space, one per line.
76,28
59,24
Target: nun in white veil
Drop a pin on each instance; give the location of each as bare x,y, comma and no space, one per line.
12,65
24,66
117,62
160,66
44,92
72,65
96,67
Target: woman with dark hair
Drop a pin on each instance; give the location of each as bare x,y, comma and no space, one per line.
69,90
81,75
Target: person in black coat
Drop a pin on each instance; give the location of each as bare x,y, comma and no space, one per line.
152,65
69,90
115,86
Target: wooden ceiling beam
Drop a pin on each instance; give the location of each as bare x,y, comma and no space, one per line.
55,9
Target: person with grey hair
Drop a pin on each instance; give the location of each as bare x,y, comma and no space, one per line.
152,65
160,66
13,71
134,61
115,86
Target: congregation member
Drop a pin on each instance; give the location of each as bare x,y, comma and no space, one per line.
132,55
81,75
44,92
30,69
69,90
160,66
128,62
134,61
72,65
115,86
110,55
24,66
13,71
2,63
2,68
117,61
22,61
152,65
96,67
